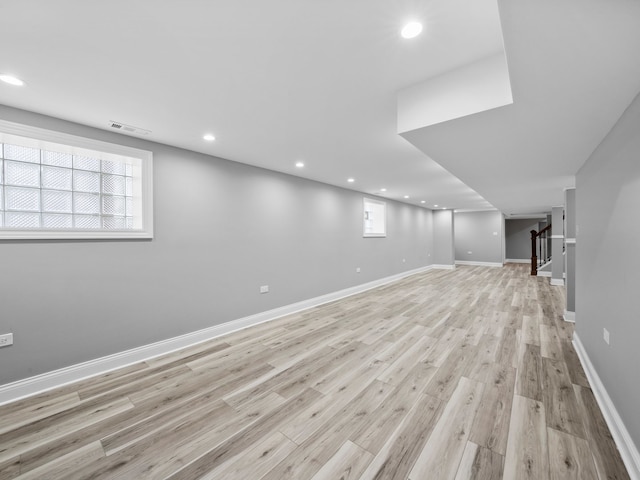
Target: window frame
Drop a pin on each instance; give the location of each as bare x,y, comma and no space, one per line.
81,145
381,232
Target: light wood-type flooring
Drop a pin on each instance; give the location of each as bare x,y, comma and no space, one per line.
446,374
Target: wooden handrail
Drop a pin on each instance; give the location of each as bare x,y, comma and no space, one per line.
535,246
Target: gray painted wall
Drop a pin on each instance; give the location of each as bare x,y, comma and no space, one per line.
479,233
222,229
443,236
518,238
557,258
570,256
608,263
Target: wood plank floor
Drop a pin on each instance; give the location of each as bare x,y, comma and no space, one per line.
456,375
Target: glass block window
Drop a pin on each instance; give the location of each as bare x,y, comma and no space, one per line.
63,190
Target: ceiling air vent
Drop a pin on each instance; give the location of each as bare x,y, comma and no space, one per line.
123,127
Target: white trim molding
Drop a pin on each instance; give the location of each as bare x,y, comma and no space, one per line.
570,241
569,316
544,274
557,282
628,450
478,264
556,237
517,260
444,267
57,378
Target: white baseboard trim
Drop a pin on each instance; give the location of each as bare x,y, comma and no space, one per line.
57,378
478,264
557,282
544,274
517,260
569,316
444,267
628,451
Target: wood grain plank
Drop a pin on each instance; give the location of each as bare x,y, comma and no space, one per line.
570,457
244,438
443,451
256,461
605,453
21,440
348,463
311,455
66,465
529,373
386,418
527,448
560,403
396,458
479,463
36,411
490,427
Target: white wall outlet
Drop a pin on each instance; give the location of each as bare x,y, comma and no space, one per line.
357,269
495,234
264,289
605,335
6,339
404,260
469,252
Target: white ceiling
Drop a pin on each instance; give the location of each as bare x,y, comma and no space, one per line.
288,80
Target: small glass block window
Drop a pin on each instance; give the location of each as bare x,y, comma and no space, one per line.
23,174
22,154
57,159
86,181
86,163
55,201
55,187
58,178
22,199
86,203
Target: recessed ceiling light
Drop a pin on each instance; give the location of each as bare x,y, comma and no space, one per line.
411,30
435,205
11,80
422,201
299,164
209,138
383,189
406,196
351,180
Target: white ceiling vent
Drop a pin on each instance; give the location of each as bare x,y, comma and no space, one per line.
123,127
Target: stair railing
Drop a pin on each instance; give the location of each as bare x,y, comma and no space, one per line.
540,251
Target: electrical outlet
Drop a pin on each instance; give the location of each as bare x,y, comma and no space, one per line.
264,289
404,260
357,269
6,339
605,335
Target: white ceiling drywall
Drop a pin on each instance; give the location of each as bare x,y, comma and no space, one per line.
288,80
574,67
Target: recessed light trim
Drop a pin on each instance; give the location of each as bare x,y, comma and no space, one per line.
209,137
422,201
411,30
299,164
406,196
383,189
11,80
436,206
351,180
